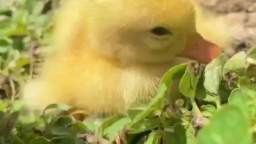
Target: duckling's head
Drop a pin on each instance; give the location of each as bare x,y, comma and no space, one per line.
144,31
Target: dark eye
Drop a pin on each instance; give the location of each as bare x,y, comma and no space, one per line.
160,31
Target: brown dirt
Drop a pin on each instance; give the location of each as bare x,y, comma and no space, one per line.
227,6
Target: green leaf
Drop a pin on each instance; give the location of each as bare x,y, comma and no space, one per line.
247,86
252,56
35,6
154,138
17,140
189,81
5,41
107,122
228,126
113,130
190,134
8,124
173,73
39,140
21,62
79,127
213,74
176,136
59,131
147,124
239,99
135,110
237,63
248,89
63,140
64,121
93,125
208,110
158,102
61,107
155,104
60,127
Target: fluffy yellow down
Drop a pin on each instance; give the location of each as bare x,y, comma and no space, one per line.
110,54
211,26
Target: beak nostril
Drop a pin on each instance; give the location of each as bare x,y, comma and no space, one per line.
160,31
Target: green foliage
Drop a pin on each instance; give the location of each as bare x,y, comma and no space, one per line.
195,104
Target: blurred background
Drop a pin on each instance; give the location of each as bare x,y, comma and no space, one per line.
25,31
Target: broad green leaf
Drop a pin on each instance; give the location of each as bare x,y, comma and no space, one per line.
208,110
148,124
135,110
93,125
3,104
35,6
17,140
213,74
158,102
155,104
5,10
190,134
239,99
237,63
107,122
113,130
154,138
189,81
79,127
61,107
61,126
40,140
252,56
5,41
63,140
21,62
5,45
8,123
59,131
175,136
228,126
20,17
173,73
248,88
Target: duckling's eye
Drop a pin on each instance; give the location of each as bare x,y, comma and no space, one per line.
160,31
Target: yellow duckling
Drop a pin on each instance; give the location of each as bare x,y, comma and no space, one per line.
110,54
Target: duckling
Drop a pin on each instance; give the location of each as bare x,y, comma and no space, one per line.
108,54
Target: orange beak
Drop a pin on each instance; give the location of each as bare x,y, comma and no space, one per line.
201,50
